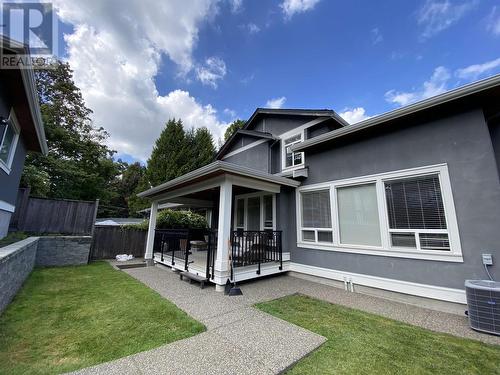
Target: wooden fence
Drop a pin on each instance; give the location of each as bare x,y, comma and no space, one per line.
109,241
62,216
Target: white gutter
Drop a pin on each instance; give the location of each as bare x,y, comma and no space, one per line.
401,112
220,166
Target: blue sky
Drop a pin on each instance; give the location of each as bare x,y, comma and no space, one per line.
211,62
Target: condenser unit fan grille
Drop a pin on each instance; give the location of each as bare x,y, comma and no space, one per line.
483,300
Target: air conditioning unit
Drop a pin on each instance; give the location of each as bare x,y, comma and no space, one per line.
483,300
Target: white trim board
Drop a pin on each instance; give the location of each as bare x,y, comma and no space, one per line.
385,248
400,286
4,206
245,148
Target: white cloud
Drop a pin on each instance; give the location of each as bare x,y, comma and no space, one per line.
436,16
493,21
376,36
354,115
230,113
475,71
436,85
236,6
292,7
115,52
276,102
212,71
251,28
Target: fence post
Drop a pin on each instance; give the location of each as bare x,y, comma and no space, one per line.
95,217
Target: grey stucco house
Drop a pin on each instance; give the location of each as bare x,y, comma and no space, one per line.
21,128
403,202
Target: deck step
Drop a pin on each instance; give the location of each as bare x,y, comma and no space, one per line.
191,276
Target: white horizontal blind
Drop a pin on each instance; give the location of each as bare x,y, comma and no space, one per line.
416,213
316,211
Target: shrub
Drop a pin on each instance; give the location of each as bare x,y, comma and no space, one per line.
170,219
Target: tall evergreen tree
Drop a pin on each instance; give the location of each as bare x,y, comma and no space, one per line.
170,155
203,149
177,152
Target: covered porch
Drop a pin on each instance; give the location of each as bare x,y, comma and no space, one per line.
243,240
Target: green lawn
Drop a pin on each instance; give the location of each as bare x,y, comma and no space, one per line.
363,343
67,318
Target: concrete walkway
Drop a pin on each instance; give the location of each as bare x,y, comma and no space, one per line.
242,340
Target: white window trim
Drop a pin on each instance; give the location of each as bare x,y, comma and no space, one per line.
453,255
314,229
245,198
12,120
285,136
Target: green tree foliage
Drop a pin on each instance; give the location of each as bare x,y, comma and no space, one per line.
177,152
134,203
79,165
233,127
173,219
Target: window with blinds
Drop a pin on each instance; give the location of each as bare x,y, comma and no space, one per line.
416,213
316,216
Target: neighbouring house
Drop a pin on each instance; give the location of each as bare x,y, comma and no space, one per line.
406,202
21,128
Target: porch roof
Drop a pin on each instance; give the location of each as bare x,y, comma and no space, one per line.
214,169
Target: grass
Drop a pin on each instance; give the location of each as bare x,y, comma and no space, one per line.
68,318
364,343
12,237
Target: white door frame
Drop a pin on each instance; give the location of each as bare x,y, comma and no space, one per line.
245,197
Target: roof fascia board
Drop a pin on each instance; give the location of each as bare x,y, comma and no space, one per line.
401,112
222,167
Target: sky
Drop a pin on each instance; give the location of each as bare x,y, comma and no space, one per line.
141,62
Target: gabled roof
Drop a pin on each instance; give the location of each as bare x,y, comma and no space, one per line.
36,132
214,169
236,134
473,89
263,112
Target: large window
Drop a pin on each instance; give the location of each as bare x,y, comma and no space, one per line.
9,133
316,216
416,213
290,158
358,215
406,213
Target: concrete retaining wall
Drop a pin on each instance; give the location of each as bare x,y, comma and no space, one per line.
18,259
16,263
63,251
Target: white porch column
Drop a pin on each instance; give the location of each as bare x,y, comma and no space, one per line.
224,232
151,233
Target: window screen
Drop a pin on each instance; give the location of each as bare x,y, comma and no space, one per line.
316,211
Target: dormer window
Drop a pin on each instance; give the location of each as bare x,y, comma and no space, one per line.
292,159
